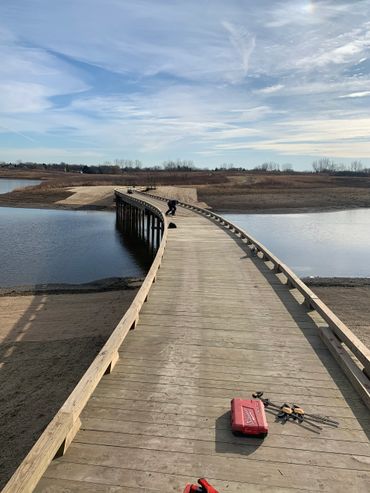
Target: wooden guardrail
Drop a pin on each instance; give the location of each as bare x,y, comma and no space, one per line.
60,432
351,354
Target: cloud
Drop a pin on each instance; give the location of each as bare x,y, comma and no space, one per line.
270,89
307,12
23,97
343,53
51,154
31,76
346,138
243,42
10,130
362,94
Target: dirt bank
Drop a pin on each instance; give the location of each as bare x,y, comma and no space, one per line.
291,193
223,191
349,299
47,341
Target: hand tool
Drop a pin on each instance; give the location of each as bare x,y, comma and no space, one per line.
202,487
296,412
316,417
287,412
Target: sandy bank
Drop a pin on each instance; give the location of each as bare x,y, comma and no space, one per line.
47,341
349,299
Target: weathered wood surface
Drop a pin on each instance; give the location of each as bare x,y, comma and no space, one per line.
217,324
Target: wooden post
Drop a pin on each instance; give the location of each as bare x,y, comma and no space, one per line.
131,209
152,233
112,364
147,226
68,439
158,240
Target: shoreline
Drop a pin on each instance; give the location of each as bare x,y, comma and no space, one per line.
347,282
97,286
288,210
247,210
15,201
132,283
54,206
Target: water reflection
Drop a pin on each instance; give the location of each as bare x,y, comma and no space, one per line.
54,246
137,248
328,244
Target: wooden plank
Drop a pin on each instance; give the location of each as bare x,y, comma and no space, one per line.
148,481
184,437
246,448
175,396
207,408
234,372
66,485
296,431
221,467
182,419
239,386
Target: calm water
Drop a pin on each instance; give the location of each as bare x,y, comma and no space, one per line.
7,185
53,246
327,244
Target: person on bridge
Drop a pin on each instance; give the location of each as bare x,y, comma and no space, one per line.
171,207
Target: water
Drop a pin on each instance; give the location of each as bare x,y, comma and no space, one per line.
8,184
54,246
326,244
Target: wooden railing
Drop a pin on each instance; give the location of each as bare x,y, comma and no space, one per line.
351,354
61,430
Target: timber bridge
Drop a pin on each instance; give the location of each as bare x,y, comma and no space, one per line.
218,316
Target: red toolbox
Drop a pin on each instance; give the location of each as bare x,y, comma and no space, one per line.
248,417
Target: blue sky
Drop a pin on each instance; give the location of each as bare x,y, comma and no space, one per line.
213,81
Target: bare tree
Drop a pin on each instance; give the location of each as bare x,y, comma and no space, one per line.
323,164
357,166
287,168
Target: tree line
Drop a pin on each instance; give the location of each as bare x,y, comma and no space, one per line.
119,166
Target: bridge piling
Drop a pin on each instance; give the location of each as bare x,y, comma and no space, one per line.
138,219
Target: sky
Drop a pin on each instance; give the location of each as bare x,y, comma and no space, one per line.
212,81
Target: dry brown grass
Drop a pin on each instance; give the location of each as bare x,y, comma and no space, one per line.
223,191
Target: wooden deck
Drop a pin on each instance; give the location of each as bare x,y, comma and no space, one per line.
218,324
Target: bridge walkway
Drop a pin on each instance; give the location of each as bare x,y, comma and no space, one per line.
218,324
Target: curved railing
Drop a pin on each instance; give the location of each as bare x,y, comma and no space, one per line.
351,354
61,430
